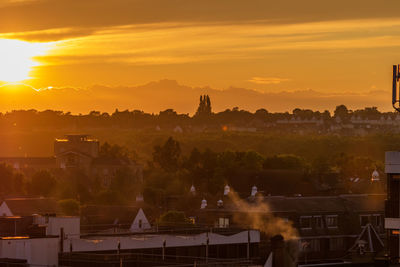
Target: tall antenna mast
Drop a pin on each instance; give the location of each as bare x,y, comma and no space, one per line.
395,93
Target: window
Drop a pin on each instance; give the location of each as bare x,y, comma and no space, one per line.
331,221
364,220
318,222
192,220
310,245
304,245
106,181
223,222
305,222
16,165
336,244
140,223
376,220
71,160
315,245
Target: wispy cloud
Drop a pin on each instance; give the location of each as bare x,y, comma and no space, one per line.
173,44
268,80
47,14
49,34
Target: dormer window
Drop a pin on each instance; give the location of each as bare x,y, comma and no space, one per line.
374,219
318,222
305,222
331,221
364,220
223,222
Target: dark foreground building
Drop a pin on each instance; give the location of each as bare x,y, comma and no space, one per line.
392,207
327,228
157,249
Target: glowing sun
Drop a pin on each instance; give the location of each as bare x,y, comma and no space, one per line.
16,59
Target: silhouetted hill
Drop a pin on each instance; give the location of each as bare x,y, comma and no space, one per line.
165,94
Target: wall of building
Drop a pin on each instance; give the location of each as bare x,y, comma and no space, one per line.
156,241
39,251
71,226
83,145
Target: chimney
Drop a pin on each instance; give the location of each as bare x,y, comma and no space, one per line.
284,252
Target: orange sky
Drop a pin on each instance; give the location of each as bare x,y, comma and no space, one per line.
325,51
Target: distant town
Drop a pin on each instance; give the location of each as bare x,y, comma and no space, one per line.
101,203
301,121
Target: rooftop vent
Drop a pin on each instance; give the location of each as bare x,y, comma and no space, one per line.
139,198
203,204
193,190
254,191
375,176
227,190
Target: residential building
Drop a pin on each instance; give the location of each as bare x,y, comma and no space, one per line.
327,227
392,205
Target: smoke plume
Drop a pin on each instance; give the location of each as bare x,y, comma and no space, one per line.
259,216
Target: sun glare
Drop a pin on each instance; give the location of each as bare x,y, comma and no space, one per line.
16,59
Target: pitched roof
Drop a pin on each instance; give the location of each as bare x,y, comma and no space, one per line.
29,206
73,151
109,214
317,204
306,204
365,203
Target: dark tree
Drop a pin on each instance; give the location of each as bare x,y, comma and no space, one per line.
204,108
342,112
6,178
113,152
43,183
284,162
167,156
69,207
18,183
173,218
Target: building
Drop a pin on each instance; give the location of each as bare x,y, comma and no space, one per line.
157,249
35,239
29,207
110,218
327,227
392,205
60,242
76,152
35,251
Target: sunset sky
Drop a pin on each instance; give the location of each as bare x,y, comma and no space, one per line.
97,54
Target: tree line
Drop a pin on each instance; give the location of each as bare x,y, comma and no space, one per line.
32,119
171,172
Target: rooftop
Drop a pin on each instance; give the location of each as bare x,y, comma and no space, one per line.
77,138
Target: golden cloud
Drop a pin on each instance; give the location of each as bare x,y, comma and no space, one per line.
267,80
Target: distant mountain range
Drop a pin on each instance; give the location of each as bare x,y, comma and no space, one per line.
164,94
